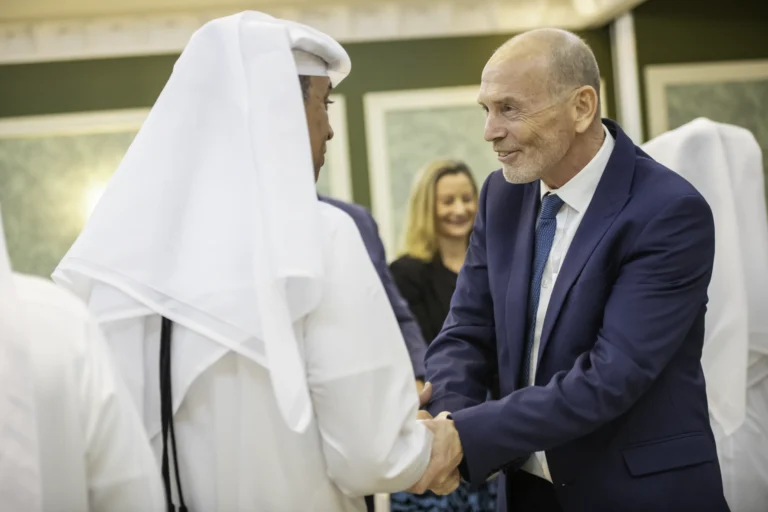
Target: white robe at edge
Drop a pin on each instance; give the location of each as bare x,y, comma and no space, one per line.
724,163
70,437
94,452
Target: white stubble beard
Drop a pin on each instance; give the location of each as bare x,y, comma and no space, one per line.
519,175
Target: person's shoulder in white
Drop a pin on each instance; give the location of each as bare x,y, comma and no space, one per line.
359,372
42,293
93,447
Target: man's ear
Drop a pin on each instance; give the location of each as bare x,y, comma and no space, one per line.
585,108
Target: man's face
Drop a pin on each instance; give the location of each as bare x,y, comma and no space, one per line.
320,131
531,130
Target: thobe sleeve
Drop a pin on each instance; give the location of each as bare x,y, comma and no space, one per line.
414,341
360,377
122,472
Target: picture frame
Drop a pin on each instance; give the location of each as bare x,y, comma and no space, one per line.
53,170
660,78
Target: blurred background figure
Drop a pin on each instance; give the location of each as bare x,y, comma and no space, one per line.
70,438
441,212
724,163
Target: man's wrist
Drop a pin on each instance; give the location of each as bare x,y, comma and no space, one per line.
463,467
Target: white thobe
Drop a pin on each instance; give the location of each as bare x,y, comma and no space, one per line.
236,452
94,452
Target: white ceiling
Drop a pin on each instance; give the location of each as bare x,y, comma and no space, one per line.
17,10
45,30
56,9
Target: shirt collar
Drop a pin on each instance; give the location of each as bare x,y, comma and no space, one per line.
578,192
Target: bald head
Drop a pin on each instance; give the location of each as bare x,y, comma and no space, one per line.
567,59
541,95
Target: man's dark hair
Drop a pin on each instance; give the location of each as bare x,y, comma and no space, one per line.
306,83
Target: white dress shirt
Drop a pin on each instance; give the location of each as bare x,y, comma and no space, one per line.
576,196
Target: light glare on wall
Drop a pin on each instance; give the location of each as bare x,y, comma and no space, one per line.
91,198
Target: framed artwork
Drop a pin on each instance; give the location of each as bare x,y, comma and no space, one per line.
406,130
734,92
54,168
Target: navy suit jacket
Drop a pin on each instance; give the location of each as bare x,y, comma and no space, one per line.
619,403
414,341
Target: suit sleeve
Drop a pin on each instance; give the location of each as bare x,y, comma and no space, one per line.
360,378
659,294
122,471
414,341
461,360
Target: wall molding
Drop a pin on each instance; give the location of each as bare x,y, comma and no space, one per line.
75,123
152,34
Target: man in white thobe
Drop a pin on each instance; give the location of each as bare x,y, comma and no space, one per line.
70,437
291,386
724,163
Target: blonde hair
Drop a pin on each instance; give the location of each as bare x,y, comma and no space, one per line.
420,236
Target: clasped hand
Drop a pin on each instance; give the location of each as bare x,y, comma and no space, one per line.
442,475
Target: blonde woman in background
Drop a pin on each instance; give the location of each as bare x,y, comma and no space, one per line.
441,213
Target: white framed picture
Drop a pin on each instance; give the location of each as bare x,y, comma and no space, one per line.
730,92
407,129
53,170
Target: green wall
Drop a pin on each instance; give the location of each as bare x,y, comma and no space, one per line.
46,88
679,31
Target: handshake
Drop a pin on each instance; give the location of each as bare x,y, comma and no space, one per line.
442,475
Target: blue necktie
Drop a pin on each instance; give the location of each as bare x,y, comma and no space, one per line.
545,233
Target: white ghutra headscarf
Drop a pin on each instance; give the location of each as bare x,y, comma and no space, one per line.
724,163
210,217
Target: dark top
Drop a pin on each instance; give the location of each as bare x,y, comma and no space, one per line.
369,231
428,288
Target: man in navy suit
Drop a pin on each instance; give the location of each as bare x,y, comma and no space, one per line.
585,287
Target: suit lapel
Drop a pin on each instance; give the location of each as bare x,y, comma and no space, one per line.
522,235
610,197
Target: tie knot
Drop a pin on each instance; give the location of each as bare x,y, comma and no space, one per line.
550,205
